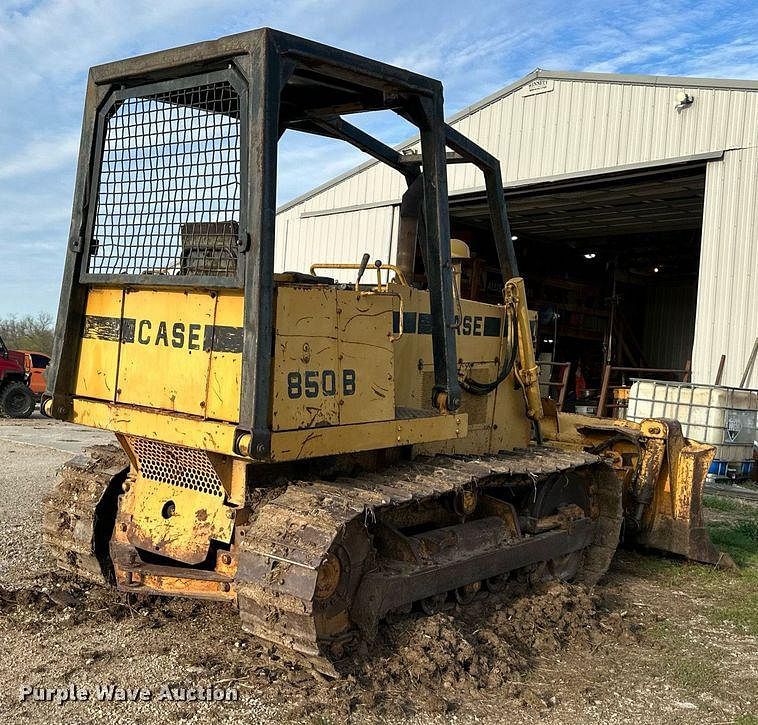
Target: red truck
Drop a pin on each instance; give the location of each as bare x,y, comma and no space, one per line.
16,397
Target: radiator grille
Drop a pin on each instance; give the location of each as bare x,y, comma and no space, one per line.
168,198
178,466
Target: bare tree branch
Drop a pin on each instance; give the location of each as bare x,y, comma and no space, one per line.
31,332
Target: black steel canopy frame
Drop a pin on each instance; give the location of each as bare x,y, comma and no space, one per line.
281,82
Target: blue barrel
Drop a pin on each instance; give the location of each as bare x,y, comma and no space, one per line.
718,468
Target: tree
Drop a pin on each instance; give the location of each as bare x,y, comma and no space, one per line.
31,332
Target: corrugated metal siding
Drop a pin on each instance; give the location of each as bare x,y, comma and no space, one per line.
727,308
334,238
578,126
669,326
584,125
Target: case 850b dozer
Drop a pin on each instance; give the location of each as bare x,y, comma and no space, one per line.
318,454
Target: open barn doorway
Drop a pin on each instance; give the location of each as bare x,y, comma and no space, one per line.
611,267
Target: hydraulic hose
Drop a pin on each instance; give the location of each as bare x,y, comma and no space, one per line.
476,387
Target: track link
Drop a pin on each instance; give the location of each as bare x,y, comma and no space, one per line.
79,512
281,554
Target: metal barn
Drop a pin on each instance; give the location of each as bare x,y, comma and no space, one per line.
634,209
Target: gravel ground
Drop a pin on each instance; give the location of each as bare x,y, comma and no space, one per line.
30,453
55,648
658,642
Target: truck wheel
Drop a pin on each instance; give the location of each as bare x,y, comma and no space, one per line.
16,400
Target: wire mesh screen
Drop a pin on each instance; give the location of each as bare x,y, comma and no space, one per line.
168,199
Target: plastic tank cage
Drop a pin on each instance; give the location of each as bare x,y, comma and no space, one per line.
168,195
724,417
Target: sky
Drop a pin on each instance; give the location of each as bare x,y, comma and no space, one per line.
475,48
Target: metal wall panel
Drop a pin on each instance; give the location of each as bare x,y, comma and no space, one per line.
727,307
301,242
578,125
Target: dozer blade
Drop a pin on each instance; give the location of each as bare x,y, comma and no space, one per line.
663,475
663,506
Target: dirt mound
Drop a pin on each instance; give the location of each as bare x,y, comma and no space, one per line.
432,664
71,602
470,648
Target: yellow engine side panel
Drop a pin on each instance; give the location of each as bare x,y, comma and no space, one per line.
305,350
165,366
333,358
170,350
98,353
496,421
366,356
225,374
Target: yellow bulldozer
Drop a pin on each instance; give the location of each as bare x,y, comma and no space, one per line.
317,453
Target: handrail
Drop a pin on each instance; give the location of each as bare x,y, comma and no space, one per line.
399,276
685,374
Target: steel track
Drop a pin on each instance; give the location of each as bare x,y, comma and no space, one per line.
293,534
281,551
78,513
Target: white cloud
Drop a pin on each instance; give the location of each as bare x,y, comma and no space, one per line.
40,155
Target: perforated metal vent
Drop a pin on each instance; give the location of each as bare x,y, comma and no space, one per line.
179,466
